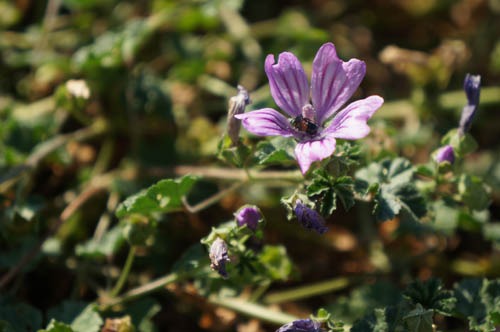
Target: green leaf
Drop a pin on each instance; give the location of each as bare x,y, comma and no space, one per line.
431,295
142,312
233,155
419,320
445,218
164,196
88,320
478,300
277,150
395,190
80,316
325,190
55,326
473,192
106,246
276,262
376,322
19,316
462,144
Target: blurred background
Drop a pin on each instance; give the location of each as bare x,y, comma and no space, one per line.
153,82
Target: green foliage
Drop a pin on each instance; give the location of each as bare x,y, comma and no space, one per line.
394,190
78,315
17,316
430,295
473,192
104,247
278,150
478,300
55,326
326,190
159,74
164,196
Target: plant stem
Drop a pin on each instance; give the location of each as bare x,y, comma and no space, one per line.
125,271
142,290
261,312
304,292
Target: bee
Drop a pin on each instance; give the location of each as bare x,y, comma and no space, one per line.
304,125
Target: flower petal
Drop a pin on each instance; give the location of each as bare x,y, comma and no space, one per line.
333,81
350,123
266,122
310,151
288,82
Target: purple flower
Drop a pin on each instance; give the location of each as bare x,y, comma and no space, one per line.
445,154
309,218
301,325
219,256
472,87
248,215
315,126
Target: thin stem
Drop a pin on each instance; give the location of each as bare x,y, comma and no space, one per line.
231,174
142,290
261,312
125,271
211,200
308,291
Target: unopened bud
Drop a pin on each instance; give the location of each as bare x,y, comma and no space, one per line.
472,88
301,325
248,215
237,105
309,218
219,256
445,154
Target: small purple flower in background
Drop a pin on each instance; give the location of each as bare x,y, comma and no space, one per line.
472,87
219,256
248,215
301,325
309,218
445,154
333,82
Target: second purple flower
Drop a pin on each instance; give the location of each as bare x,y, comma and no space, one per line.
315,125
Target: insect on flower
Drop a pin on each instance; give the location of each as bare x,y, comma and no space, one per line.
316,118
304,125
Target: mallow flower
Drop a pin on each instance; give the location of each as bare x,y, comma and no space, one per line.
315,118
301,325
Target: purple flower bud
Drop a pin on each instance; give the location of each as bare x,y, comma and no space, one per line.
309,218
445,154
301,325
237,105
472,87
248,215
219,256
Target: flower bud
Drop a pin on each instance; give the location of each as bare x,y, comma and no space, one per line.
301,325
472,87
248,215
237,105
309,218
445,154
219,256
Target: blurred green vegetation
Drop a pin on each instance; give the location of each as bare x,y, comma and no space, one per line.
154,78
